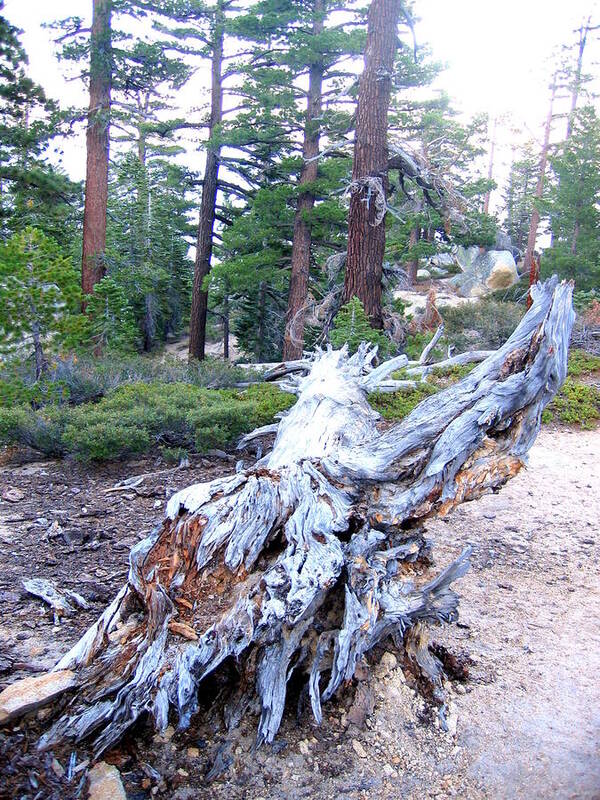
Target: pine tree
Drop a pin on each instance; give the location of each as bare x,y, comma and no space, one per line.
296,62
352,326
518,195
98,144
111,323
39,289
34,193
572,203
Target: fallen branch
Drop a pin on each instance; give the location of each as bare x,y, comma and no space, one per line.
57,599
307,560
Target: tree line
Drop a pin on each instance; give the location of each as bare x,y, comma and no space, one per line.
323,144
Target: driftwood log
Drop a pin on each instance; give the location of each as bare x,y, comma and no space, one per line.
305,561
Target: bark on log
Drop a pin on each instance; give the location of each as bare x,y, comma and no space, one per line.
310,558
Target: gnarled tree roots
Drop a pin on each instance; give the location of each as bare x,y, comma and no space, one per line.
307,560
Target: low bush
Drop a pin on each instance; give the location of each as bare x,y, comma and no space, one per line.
575,404
397,405
484,325
139,417
76,380
582,363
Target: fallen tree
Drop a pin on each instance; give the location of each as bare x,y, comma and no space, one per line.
305,561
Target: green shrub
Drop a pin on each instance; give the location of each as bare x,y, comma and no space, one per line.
575,404
397,405
582,363
351,326
77,380
491,321
42,430
138,417
417,342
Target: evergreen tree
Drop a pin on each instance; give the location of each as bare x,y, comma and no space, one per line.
111,324
573,203
39,291
518,196
294,214
33,192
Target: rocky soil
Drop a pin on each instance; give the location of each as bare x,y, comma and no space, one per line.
524,714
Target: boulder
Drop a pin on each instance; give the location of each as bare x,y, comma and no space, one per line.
423,275
465,256
438,272
488,271
441,260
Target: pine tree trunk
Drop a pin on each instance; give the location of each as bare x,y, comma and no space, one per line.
535,214
98,143
301,244
366,239
413,265
206,221
41,362
226,327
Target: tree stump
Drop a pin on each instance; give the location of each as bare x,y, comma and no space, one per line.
307,560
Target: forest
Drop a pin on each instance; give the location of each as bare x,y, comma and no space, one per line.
299,279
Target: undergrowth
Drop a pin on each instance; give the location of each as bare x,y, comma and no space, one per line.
114,410
141,417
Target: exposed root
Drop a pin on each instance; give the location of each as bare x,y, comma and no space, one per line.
308,560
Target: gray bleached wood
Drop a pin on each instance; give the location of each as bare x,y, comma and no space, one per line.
305,561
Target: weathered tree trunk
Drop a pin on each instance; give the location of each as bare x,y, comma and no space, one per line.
368,191
98,143
301,243
584,30
307,560
206,222
539,189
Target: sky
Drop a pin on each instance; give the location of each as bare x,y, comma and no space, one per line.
497,56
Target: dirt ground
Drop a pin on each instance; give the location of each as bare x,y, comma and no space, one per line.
524,724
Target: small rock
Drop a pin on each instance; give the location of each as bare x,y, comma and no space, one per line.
452,722
389,661
157,503
364,702
304,748
359,749
169,733
389,771
105,783
193,752
13,495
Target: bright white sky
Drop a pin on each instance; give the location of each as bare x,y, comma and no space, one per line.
498,56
